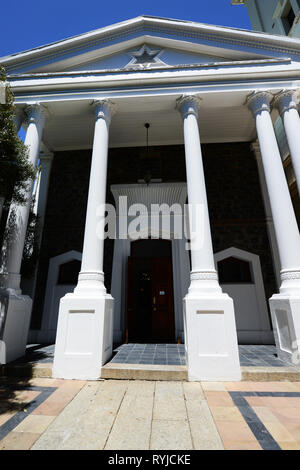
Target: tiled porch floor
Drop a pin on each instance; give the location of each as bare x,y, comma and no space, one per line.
165,354
174,354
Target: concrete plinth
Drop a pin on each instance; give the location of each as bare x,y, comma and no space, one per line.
14,325
285,312
84,336
211,339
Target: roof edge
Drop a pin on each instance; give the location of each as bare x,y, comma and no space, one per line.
235,33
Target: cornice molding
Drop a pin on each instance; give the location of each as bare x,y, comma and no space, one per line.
164,67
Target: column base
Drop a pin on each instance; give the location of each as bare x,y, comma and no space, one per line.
14,324
285,313
84,337
211,338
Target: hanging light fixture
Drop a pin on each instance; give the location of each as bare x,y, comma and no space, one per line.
147,176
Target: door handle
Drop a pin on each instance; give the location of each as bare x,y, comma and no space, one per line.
154,300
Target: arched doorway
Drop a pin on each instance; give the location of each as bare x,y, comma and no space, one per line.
150,299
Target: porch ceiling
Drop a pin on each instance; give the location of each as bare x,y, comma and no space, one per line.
223,117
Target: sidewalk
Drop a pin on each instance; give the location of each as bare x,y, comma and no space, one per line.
44,413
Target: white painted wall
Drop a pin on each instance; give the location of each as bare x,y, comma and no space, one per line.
250,306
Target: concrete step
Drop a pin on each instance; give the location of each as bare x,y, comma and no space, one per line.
43,369
113,370
152,372
270,374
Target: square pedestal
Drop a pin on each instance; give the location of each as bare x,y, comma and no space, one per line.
285,312
211,339
14,325
84,337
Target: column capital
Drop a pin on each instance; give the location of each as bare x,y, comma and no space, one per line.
104,109
36,113
259,101
285,100
188,104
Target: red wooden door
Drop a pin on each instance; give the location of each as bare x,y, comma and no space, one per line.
162,300
150,301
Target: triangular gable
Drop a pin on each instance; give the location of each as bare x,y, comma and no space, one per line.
176,43
146,56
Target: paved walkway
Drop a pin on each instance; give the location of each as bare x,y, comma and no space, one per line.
118,414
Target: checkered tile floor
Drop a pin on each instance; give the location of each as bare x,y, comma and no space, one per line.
168,354
172,354
259,356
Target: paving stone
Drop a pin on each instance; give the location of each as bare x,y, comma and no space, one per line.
132,427
169,401
18,441
171,434
34,424
89,430
60,398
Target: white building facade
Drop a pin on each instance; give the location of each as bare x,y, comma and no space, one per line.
197,86
273,16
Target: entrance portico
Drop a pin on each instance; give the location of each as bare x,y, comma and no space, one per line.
190,106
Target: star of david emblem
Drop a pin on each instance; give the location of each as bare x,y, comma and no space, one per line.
145,57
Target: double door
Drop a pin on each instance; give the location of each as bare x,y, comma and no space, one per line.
150,301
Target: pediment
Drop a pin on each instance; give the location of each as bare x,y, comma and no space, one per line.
146,42
147,56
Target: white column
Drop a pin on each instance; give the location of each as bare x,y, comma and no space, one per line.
287,104
204,278
85,323
46,159
269,219
91,276
40,203
210,330
285,306
12,249
16,308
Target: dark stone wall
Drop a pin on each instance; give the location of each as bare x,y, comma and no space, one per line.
235,204
234,198
64,218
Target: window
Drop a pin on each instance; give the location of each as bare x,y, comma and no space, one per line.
234,271
288,17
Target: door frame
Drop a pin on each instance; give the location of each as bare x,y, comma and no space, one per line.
181,282
169,193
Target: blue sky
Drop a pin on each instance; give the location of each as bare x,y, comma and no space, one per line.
36,22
